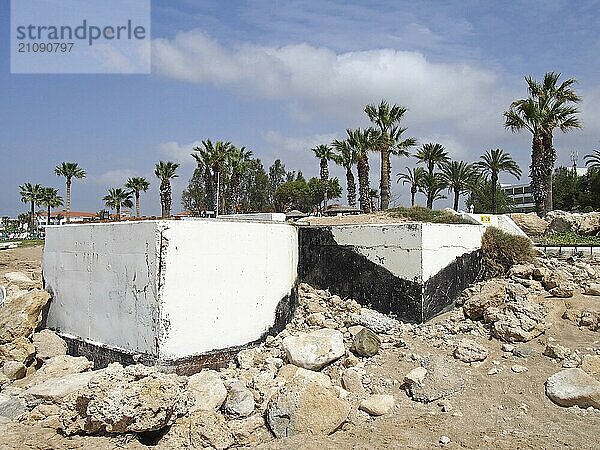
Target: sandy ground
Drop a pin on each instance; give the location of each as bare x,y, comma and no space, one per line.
502,411
356,219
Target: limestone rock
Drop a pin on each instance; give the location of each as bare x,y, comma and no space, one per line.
304,406
561,221
530,223
315,349
563,291
442,379
415,376
20,350
20,280
290,371
207,391
48,344
590,364
593,289
56,367
521,270
14,370
517,368
250,432
240,400
470,351
520,321
247,358
21,315
377,404
492,294
56,389
352,381
374,320
200,429
573,387
556,351
366,343
11,407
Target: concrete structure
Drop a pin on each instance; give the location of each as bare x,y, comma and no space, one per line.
172,293
413,270
502,221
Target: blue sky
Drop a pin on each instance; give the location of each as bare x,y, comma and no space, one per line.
280,77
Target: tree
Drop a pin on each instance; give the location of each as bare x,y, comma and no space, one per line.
50,199
432,155
346,157
305,195
324,153
387,118
32,194
364,141
549,106
238,163
277,176
593,159
69,170
457,176
165,171
137,185
216,156
566,189
254,188
432,185
194,196
116,198
480,197
414,177
492,163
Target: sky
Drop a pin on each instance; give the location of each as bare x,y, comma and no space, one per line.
280,77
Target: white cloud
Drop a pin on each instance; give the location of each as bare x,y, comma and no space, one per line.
113,178
179,153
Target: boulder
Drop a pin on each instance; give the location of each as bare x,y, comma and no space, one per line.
561,221
289,371
492,294
48,344
240,400
590,364
374,320
530,223
520,321
315,349
592,289
352,381
470,351
54,390
521,271
14,370
21,315
56,367
249,432
206,390
556,351
20,350
305,406
377,404
565,290
366,343
11,407
573,387
20,280
200,429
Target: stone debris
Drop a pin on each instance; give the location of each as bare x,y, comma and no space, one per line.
573,387
11,407
592,289
590,364
377,404
375,321
517,368
240,400
556,351
315,349
470,351
47,345
20,280
207,391
21,315
366,343
442,379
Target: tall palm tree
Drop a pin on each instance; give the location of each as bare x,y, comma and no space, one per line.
414,177
346,157
324,153
165,171
32,194
432,155
217,154
432,185
387,118
50,199
69,170
137,185
492,163
549,106
458,176
116,198
238,162
364,141
593,159
204,160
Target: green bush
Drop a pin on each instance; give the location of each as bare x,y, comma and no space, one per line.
422,214
568,238
503,250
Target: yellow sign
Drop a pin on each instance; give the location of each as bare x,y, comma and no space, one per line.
486,219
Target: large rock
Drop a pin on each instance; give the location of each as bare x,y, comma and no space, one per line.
573,387
374,320
530,223
240,400
200,429
377,404
20,280
561,221
14,370
520,321
492,294
366,343
305,406
21,315
470,351
315,349
207,391
56,367
48,344
122,400
20,350
10,407
54,390
441,379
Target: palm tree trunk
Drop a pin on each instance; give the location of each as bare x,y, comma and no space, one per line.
48,216
137,203
118,212
384,182
430,199
537,174
68,202
413,192
363,184
351,186
549,160
494,192
32,217
165,198
456,196
324,180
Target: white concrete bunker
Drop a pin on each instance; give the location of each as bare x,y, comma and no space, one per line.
172,293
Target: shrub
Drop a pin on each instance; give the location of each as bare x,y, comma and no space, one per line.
503,250
421,214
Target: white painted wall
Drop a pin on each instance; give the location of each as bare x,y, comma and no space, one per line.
502,221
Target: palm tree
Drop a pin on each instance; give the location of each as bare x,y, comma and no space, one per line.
324,153
549,106
387,119
69,170
432,155
238,162
50,199
432,185
364,141
31,193
137,185
492,163
415,178
165,170
593,159
457,176
116,198
346,157
216,156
